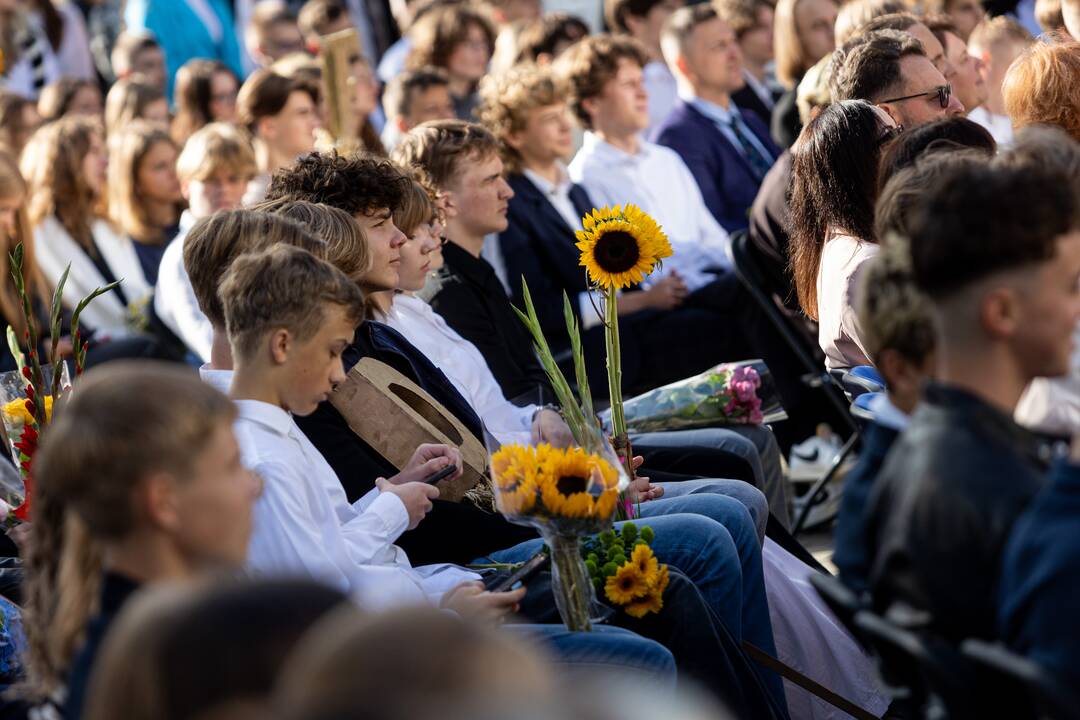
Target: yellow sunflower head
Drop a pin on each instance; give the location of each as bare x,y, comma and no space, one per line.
620,246
645,560
626,585
515,470
577,484
652,602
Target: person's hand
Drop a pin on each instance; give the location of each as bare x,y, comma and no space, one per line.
415,496
668,293
471,600
548,426
645,490
20,535
428,460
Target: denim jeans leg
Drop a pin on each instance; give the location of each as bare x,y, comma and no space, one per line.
752,498
605,648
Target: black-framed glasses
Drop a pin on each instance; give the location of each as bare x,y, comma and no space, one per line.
943,93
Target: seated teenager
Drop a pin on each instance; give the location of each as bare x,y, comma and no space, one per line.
272,33
728,151
214,169
282,115
617,167
752,22
144,192
996,248
70,96
899,335
138,54
139,482
1038,86
643,20
65,170
414,97
135,99
459,39
833,190
205,93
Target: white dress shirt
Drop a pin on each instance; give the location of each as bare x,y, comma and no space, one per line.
558,194
174,298
464,366
657,180
662,89
999,126
304,525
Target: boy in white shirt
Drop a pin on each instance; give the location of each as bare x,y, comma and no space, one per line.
289,317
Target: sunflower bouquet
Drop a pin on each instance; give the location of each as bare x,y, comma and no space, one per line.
566,494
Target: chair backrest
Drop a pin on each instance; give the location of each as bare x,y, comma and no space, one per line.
1009,676
861,380
750,274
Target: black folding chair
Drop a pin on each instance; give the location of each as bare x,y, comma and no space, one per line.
1008,677
750,273
899,653
844,603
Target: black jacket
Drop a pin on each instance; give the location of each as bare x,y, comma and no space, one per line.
943,506
469,296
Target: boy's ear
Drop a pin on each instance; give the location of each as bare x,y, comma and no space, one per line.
999,313
281,344
156,501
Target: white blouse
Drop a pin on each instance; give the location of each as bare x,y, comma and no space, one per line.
838,323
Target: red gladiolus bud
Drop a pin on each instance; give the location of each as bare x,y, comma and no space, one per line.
31,407
26,372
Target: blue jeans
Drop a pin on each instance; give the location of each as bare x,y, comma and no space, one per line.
712,539
750,497
755,444
605,648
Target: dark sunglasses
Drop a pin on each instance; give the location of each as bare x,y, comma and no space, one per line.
943,93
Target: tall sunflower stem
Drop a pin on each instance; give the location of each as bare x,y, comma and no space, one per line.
614,368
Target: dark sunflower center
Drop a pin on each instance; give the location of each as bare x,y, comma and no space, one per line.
617,251
626,583
570,484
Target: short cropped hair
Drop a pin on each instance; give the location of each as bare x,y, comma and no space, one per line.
265,93
346,242
434,150
981,219
214,242
893,313
903,188
282,287
1048,147
871,69
358,184
997,31
616,12
900,21
1049,16
1041,86
740,15
403,89
128,45
438,33
677,30
507,98
544,35
214,147
593,62
853,16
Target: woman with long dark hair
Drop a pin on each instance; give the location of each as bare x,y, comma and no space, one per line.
833,192
205,93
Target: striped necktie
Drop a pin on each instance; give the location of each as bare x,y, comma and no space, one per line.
759,162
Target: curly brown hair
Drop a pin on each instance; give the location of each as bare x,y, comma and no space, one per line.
1040,87
589,65
433,150
506,100
357,184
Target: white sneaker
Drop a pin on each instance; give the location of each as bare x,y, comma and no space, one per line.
813,457
810,461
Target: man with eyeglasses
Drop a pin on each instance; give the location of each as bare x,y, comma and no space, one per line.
891,70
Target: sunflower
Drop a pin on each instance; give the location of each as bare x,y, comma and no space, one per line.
645,560
626,585
620,245
577,484
514,469
653,601
16,412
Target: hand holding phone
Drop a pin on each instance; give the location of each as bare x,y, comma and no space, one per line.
523,574
441,475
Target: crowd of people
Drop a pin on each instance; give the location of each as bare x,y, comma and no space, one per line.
210,538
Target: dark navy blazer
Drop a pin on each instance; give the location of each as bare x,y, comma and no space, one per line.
723,174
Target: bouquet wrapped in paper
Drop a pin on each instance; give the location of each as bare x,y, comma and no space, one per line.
739,393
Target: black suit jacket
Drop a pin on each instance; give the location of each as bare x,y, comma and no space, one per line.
469,296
